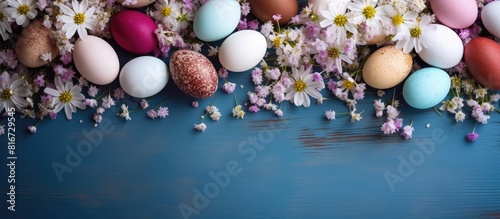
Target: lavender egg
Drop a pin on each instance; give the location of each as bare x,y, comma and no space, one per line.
193,73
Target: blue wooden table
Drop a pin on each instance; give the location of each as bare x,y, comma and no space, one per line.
297,166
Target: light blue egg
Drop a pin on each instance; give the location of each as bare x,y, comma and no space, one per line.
216,19
426,87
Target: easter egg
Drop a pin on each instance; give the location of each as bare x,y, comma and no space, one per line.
216,19
481,58
444,49
319,5
387,67
34,41
96,60
143,76
193,73
376,39
137,4
456,14
242,50
426,87
265,9
134,32
490,17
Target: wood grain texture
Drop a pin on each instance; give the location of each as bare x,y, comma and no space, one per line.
297,166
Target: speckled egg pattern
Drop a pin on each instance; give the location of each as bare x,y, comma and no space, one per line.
193,73
34,41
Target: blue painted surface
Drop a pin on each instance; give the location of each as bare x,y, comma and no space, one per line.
297,166
306,167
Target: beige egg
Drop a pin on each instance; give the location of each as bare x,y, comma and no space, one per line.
34,41
376,39
139,4
387,67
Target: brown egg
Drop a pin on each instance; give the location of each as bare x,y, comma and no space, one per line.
481,57
193,73
139,4
34,41
387,67
265,9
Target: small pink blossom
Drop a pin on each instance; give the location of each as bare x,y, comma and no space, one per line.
162,112
195,104
92,91
118,93
32,128
144,104
152,114
407,132
254,109
229,87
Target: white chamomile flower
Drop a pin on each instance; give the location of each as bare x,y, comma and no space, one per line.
401,19
66,96
368,12
4,21
418,37
304,86
22,11
167,11
12,92
337,20
80,18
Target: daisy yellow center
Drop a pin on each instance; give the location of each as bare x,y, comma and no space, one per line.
6,94
397,20
277,42
23,9
300,85
66,97
166,11
333,53
79,18
349,84
340,20
450,105
416,32
369,12
456,82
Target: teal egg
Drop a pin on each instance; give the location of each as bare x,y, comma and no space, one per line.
216,19
426,87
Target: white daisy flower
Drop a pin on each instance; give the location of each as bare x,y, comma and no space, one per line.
303,86
335,58
368,12
337,18
4,21
418,37
13,92
66,96
167,11
80,18
22,11
401,19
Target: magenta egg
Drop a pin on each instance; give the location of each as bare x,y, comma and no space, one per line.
134,32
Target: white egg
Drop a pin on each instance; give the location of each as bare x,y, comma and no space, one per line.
490,18
242,50
144,76
444,49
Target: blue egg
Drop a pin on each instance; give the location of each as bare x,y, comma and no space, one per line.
216,19
426,87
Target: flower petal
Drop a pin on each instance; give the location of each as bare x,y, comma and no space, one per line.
52,92
67,111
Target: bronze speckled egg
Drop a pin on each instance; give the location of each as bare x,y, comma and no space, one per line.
34,41
193,73
265,9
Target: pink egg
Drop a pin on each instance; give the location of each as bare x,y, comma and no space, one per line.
455,14
134,32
